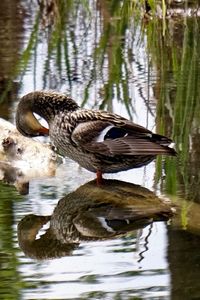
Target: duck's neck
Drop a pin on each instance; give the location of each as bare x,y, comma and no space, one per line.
47,246
47,104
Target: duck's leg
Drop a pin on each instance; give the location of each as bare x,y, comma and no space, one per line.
99,177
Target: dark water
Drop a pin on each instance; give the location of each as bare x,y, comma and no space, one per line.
106,55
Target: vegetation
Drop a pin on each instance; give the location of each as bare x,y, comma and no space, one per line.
100,51
178,107
94,46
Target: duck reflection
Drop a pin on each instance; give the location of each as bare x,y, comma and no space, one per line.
91,213
46,246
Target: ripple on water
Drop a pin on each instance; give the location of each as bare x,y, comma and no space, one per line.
97,270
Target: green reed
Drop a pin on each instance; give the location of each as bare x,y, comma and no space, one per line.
9,276
178,106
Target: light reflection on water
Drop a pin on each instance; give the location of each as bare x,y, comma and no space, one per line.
133,265
108,266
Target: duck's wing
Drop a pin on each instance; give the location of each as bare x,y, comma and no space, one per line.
111,135
109,221
128,146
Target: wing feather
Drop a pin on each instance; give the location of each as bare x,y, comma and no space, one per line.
137,140
128,146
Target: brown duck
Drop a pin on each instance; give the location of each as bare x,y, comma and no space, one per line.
99,141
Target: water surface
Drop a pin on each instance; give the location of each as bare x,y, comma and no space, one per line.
105,54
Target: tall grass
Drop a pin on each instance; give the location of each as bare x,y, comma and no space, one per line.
178,106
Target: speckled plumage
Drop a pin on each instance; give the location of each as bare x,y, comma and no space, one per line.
97,140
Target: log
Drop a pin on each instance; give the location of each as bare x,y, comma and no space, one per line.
22,158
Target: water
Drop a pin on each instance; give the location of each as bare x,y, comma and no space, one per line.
144,70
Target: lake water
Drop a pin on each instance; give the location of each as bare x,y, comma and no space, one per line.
106,55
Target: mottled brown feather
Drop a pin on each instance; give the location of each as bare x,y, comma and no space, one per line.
76,133
137,142
128,146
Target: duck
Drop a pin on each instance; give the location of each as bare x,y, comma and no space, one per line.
41,247
99,141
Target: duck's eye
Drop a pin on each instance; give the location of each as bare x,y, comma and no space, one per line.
114,133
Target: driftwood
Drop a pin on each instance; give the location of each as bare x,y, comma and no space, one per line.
22,159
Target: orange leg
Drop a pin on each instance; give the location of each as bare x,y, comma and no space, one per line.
99,177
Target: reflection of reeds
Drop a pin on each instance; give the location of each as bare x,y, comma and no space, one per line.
115,23
187,107
110,50
28,51
9,252
179,105
66,27
26,56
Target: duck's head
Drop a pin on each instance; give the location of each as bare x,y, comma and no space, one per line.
29,227
28,125
44,103
38,242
